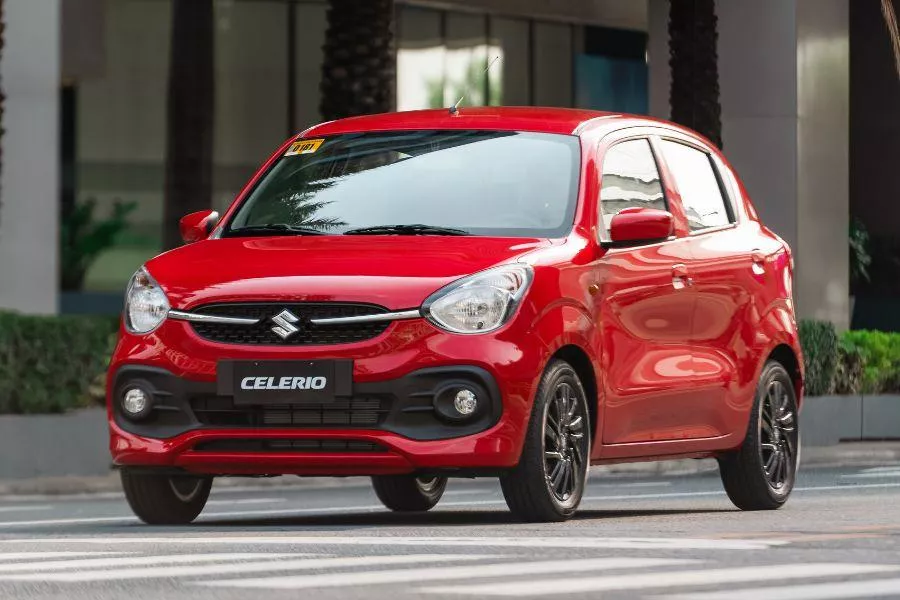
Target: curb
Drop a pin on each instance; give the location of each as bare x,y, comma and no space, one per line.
846,455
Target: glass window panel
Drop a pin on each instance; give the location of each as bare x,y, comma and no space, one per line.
510,76
698,185
309,39
630,178
251,80
420,59
553,64
121,129
465,59
486,182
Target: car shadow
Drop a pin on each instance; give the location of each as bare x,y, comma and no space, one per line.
437,518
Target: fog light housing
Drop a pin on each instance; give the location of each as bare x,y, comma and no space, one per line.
459,402
465,402
136,403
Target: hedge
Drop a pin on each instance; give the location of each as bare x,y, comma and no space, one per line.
48,364
820,352
855,362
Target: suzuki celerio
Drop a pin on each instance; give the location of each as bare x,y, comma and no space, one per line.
493,292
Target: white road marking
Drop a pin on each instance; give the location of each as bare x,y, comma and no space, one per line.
245,567
246,501
673,543
331,580
535,587
642,484
24,507
324,511
875,473
868,588
39,555
133,561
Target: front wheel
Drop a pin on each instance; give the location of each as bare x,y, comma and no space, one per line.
165,499
761,473
549,481
406,493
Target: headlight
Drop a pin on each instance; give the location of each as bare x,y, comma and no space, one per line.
146,305
481,302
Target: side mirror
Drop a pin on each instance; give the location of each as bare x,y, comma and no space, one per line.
636,225
197,225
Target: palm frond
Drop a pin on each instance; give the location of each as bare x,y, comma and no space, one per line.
890,19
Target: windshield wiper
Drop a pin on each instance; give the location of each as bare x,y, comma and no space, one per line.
406,230
273,229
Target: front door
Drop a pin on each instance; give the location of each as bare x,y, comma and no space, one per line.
645,311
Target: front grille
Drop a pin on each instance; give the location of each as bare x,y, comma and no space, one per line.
220,411
284,445
261,333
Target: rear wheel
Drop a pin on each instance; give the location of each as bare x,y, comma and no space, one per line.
761,474
549,481
406,493
165,499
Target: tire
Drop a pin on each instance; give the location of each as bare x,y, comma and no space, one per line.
549,481
407,493
164,499
761,473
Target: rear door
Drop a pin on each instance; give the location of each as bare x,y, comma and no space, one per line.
728,266
645,306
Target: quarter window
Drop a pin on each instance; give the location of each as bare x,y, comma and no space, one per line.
630,178
701,194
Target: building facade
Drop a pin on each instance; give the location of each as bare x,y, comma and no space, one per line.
86,97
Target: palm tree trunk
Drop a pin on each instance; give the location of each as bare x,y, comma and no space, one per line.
693,58
359,63
189,120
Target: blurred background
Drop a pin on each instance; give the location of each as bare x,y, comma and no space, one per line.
120,116
807,89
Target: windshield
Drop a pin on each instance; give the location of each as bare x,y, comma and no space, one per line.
491,183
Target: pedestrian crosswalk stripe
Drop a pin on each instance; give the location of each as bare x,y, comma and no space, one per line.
465,572
131,561
45,555
25,507
635,543
871,588
532,587
259,566
875,473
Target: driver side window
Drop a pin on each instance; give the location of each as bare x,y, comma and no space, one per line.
630,178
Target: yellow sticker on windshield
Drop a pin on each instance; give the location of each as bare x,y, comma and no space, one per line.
304,147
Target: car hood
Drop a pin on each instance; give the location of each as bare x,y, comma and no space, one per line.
397,272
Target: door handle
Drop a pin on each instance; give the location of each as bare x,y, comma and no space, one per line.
680,277
759,261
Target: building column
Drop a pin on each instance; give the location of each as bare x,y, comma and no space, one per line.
29,184
784,79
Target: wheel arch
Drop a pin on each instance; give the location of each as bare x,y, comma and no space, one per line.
584,368
785,355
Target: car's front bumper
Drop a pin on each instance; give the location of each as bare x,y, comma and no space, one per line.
394,375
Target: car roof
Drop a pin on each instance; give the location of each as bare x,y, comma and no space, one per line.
502,118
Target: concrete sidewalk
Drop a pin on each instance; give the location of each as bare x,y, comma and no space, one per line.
851,454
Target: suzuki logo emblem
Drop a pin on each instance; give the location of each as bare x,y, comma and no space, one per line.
284,324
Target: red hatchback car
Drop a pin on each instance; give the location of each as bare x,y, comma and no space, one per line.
501,292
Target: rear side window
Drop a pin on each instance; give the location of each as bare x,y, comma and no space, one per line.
630,178
698,185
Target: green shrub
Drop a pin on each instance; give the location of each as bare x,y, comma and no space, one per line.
47,364
848,372
819,342
880,353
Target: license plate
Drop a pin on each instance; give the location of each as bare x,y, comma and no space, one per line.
285,381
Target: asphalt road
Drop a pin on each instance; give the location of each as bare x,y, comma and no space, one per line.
666,537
